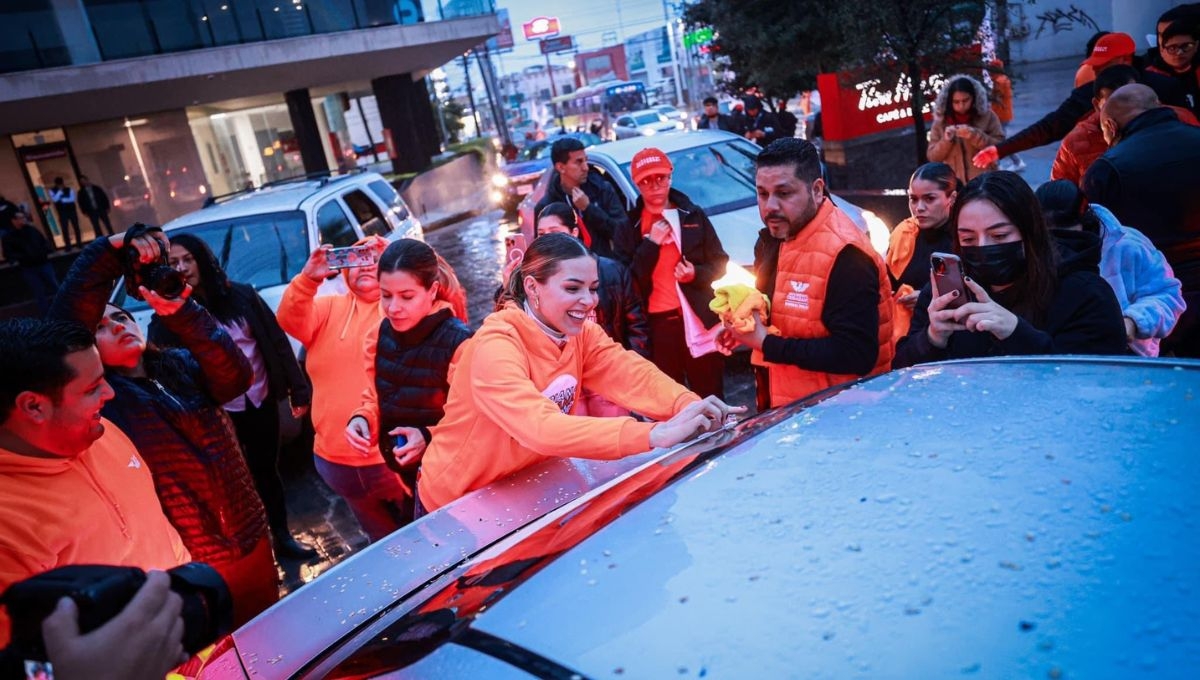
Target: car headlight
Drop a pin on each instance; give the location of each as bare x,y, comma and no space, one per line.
497,196
678,125
499,181
877,231
649,132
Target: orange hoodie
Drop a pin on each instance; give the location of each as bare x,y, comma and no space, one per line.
512,392
332,329
97,508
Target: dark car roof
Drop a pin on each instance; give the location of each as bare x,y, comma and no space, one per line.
1011,518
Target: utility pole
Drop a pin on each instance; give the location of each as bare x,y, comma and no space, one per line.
553,92
674,58
493,93
471,94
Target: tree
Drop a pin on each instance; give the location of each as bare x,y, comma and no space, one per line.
452,113
770,45
780,46
923,37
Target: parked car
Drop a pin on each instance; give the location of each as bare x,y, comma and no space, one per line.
263,236
716,170
515,180
671,113
939,521
644,123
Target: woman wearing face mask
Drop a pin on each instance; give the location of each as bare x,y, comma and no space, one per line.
277,375
407,361
515,384
1022,299
931,194
963,125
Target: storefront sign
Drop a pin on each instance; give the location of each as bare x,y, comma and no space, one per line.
540,27
869,106
563,43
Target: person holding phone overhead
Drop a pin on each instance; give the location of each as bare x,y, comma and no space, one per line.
407,363
1024,299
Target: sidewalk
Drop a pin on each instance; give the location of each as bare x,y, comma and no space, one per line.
1038,89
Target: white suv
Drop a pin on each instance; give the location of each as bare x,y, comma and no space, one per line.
263,237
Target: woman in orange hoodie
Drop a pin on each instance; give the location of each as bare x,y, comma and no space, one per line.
514,387
407,358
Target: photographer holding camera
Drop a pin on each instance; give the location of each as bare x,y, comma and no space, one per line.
73,489
169,402
145,640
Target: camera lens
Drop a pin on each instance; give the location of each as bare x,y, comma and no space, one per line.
165,281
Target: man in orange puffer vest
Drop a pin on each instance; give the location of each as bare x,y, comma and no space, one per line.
829,290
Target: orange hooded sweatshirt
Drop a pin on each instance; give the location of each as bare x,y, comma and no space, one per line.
512,393
332,329
97,508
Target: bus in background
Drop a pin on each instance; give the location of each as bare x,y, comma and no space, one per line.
599,105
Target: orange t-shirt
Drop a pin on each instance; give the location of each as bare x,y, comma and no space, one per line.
97,508
663,297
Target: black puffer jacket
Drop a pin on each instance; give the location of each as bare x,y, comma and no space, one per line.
285,378
411,377
175,419
620,312
701,246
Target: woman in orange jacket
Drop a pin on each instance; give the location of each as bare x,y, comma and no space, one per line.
931,193
514,386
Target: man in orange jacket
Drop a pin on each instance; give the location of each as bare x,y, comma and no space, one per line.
829,290
73,490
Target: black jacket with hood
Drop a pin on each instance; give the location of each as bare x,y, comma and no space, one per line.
604,216
1083,317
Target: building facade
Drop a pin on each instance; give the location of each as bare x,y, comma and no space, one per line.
165,103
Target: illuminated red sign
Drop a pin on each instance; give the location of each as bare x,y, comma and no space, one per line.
540,27
867,106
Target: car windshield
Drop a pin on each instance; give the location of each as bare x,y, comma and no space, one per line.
261,250
648,118
718,177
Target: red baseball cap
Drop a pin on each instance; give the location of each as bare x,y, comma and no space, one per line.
1111,46
648,162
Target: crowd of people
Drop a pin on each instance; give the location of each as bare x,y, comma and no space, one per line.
604,342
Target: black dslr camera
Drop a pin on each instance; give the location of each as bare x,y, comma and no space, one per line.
102,591
157,276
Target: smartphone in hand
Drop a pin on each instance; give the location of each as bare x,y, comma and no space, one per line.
514,245
947,276
353,256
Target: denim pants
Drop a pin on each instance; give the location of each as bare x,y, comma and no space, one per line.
374,493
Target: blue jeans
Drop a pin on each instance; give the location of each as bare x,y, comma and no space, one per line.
373,492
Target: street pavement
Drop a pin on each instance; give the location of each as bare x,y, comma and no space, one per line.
475,248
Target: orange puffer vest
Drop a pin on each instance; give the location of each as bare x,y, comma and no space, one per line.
800,282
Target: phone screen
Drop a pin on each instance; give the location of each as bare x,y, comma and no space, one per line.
348,258
948,276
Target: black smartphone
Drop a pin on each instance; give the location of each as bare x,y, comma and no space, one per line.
948,276
348,258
